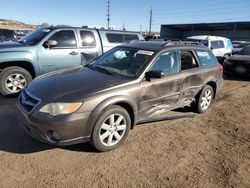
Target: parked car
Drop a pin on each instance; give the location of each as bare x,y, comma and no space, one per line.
51,48
102,101
8,35
220,46
239,63
240,46
1,39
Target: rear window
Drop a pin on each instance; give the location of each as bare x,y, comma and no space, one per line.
245,51
130,37
115,38
216,44
206,58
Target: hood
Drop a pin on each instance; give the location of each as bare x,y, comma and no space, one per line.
10,44
240,58
71,84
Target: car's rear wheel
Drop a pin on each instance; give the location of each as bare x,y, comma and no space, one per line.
13,80
204,99
111,129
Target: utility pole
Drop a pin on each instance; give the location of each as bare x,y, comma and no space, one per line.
108,13
150,20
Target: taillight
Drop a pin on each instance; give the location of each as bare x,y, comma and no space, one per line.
221,68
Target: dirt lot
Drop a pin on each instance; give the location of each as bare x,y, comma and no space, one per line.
208,150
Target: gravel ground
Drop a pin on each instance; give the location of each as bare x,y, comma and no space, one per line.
208,150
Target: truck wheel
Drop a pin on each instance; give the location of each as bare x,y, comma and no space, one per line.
204,99
13,80
111,128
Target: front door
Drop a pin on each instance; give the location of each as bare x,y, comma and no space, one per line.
66,54
161,94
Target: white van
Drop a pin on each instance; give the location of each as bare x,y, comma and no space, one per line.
220,46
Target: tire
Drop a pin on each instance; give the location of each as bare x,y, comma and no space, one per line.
105,136
13,80
204,99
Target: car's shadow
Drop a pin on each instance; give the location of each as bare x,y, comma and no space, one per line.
13,137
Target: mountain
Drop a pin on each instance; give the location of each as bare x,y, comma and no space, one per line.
12,24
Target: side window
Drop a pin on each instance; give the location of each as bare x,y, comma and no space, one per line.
115,37
64,38
206,58
130,37
167,62
187,60
87,38
216,44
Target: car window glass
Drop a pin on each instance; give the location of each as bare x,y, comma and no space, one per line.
167,63
115,37
8,34
130,37
206,57
87,38
221,44
65,38
187,60
215,44
245,51
122,61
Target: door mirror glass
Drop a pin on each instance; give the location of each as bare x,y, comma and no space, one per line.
50,43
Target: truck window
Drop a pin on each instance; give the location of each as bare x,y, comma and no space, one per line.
187,60
206,57
87,38
216,44
130,37
115,37
64,38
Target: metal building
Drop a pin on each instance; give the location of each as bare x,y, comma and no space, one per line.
236,31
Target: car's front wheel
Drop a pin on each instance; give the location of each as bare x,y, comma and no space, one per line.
111,129
13,80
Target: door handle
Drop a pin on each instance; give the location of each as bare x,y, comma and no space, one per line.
73,53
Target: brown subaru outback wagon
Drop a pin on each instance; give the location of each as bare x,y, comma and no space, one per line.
102,101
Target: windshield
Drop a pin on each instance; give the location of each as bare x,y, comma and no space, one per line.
245,51
35,36
125,62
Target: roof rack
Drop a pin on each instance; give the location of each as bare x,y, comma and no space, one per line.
182,42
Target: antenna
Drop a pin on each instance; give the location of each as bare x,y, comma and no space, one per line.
150,20
108,13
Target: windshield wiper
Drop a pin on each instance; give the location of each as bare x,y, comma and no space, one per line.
101,69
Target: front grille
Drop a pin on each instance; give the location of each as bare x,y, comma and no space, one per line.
27,101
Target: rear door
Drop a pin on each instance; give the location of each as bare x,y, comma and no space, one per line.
161,94
192,74
66,54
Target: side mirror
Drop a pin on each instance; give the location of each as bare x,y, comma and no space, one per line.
154,74
50,43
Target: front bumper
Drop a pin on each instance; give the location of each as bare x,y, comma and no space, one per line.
59,130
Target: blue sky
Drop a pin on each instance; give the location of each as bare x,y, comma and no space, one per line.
131,13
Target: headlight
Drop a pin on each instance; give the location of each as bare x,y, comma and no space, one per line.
55,109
